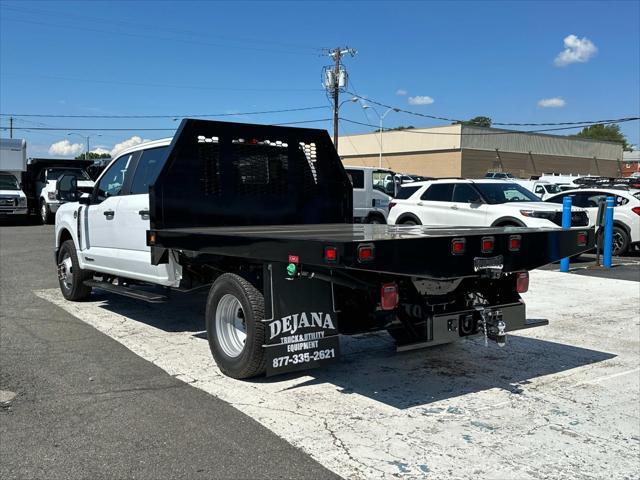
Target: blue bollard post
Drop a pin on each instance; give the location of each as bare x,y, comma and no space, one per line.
566,223
608,234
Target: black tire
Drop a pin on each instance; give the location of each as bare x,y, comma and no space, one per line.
73,288
620,241
409,221
44,213
251,361
376,220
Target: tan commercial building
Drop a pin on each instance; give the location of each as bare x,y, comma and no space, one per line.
466,151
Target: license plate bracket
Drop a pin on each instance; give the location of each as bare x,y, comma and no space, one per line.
493,264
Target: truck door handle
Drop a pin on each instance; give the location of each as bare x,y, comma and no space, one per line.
143,213
109,213
454,207
420,204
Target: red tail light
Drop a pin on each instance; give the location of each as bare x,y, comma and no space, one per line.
391,205
330,254
522,282
514,243
487,244
582,239
389,296
636,210
366,253
458,246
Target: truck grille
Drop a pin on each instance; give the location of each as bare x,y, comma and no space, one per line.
578,219
8,201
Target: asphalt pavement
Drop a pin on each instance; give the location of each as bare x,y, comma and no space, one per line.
74,403
625,267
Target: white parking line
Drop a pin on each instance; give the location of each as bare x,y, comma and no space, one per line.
461,410
607,377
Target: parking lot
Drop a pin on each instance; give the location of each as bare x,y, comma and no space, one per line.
96,381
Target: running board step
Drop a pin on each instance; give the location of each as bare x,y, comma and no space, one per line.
151,297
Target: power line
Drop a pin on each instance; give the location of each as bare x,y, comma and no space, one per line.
503,132
207,115
110,129
505,124
166,85
155,37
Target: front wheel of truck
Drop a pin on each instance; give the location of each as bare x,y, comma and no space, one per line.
235,330
70,275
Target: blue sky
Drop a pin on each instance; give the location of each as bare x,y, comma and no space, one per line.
187,58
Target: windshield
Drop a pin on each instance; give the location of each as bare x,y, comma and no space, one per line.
9,182
56,173
495,193
552,188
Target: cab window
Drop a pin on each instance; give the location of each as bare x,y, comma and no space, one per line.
356,177
112,182
148,168
383,180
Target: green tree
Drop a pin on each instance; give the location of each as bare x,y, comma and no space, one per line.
608,133
477,122
93,156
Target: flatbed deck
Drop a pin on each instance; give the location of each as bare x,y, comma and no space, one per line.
425,251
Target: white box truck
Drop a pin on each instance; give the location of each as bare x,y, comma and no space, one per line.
13,162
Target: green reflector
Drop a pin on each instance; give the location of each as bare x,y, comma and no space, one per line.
291,269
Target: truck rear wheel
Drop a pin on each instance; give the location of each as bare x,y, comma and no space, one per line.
236,333
70,275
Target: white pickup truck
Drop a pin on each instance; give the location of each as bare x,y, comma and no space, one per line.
263,216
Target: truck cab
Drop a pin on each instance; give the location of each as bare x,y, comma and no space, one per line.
13,201
113,239
373,189
13,162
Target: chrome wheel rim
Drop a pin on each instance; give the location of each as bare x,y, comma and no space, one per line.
65,271
43,212
231,326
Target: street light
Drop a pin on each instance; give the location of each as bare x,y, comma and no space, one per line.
86,155
381,117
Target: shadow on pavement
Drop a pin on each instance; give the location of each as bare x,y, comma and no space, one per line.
370,366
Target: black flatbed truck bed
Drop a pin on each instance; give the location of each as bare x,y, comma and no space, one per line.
416,250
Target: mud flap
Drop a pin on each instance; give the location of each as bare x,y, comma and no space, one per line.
300,322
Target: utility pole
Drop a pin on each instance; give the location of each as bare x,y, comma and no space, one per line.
335,78
10,127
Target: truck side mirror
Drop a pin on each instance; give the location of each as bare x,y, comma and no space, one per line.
67,188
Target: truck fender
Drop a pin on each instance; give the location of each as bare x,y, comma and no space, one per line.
408,216
504,220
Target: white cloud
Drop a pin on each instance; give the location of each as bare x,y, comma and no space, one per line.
575,50
555,102
64,148
130,142
100,150
401,92
420,100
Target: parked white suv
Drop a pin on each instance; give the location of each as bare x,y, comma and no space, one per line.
626,212
459,202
